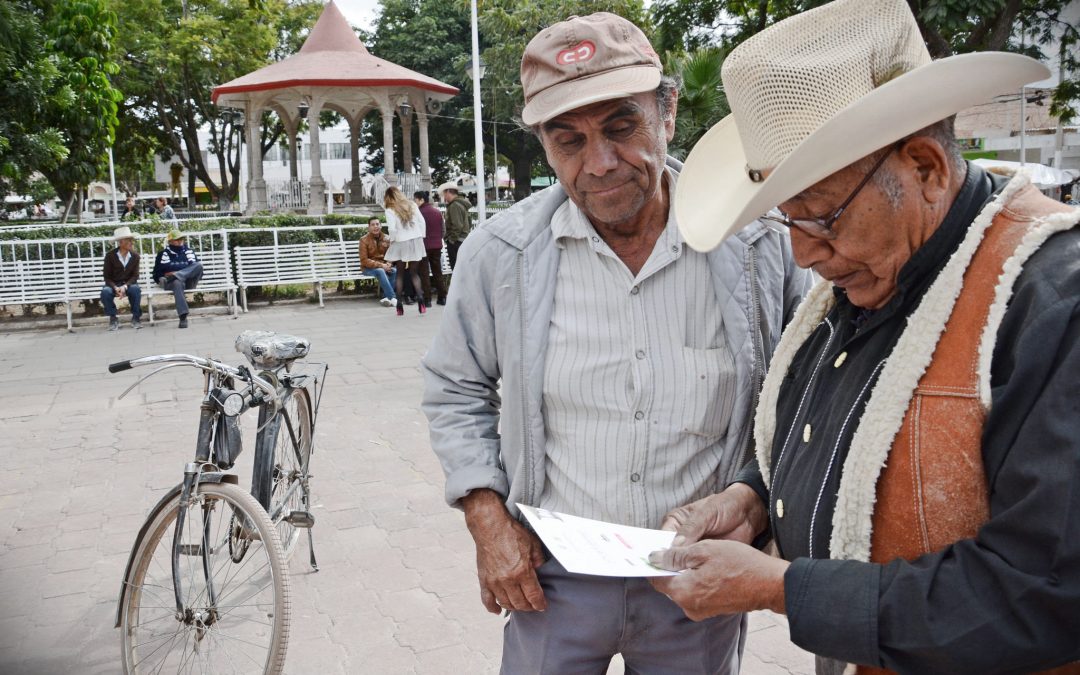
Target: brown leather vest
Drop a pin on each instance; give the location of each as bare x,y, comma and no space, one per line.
933,490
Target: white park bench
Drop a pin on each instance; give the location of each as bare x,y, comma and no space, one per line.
313,262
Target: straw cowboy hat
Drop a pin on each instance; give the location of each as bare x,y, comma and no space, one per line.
816,92
123,233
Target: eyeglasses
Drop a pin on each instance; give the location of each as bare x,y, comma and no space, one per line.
821,228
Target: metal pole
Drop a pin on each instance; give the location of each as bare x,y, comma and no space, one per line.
112,181
495,143
1023,126
478,134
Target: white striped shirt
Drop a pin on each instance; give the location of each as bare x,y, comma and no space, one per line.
639,383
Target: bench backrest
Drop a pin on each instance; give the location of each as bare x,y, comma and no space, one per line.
296,263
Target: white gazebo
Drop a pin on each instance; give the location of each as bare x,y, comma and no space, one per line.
333,70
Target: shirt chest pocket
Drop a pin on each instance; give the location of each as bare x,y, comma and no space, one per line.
708,394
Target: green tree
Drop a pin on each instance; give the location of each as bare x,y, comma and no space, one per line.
29,83
176,51
701,100
80,38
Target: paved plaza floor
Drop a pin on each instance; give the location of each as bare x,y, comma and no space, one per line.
397,591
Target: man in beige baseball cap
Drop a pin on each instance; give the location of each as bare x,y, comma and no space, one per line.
917,437
589,363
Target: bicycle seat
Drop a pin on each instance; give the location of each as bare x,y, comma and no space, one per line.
266,349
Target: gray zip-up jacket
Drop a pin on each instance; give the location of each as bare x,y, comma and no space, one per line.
490,434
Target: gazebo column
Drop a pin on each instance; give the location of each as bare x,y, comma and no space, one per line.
388,145
356,186
425,168
406,142
256,187
316,186
290,130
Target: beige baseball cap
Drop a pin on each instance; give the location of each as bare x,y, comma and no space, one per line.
584,60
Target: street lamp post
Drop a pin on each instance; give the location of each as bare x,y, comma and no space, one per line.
478,139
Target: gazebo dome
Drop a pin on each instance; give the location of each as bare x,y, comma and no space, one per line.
333,70
332,56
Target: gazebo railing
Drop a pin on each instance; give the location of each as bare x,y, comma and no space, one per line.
286,195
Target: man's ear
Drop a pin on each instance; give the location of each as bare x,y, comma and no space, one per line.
673,110
931,165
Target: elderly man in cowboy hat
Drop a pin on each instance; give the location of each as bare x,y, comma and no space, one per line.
589,363
918,434
121,272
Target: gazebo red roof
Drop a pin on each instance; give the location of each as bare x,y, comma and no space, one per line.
332,56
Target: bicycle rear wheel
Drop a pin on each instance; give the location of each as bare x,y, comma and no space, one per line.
292,457
228,549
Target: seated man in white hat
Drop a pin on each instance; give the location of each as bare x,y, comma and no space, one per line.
121,272
589,363
918,434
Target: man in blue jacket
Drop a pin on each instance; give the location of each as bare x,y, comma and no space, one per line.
177,269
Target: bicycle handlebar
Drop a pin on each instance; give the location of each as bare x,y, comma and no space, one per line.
198,362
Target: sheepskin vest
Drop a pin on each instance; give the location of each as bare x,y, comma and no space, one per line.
913,481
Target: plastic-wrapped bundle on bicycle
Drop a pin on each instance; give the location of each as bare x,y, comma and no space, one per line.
207,582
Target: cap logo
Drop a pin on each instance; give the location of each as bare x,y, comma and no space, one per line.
579,53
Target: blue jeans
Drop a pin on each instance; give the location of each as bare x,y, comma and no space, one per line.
108,300
182,280
386,279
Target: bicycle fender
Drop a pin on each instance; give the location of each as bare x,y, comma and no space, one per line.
212,477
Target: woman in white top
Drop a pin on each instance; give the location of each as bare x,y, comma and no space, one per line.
406,227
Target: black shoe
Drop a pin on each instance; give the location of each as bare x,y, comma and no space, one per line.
114,323
441,301
410,301
136,324
183,321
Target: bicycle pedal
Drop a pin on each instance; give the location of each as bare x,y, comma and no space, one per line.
300,519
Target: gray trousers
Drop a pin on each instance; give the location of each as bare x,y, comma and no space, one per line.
589,619
180,281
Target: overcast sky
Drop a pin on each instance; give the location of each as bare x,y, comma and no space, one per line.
360,13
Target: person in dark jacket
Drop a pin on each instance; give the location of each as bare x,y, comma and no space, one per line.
458,221
121,274
917,437
178,269
433,243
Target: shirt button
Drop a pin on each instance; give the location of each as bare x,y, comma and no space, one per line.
596,239
840,360
639,415
635,290
635,477
806,434
674,249
640,353
779,508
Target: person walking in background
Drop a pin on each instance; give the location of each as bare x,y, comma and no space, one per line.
178,269
458,222
373,263
121,274
406,228
433,242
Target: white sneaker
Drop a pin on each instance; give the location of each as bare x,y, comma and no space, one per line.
386,302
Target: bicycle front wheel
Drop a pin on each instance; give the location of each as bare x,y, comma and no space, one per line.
292,456
233,584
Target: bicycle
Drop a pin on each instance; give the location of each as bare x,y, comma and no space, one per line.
214,595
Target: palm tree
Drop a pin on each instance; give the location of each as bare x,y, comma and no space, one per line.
702,102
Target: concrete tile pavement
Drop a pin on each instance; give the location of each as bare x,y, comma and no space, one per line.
397,589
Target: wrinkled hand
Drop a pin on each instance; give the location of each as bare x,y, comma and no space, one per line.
121,291
720,577
737,514
507,555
